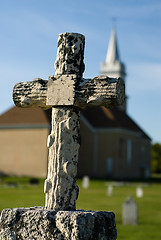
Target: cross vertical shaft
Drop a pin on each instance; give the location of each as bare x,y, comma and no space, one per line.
64,141
63,144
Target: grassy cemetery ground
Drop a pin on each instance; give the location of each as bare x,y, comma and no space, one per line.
17,192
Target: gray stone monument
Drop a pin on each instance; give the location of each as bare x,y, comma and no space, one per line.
139,192
110,190
85,182
130,212
66,92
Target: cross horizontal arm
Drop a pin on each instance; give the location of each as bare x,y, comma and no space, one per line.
99,91
30,94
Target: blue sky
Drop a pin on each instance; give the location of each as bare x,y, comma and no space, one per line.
28,41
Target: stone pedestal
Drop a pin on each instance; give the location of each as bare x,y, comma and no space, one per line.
39,223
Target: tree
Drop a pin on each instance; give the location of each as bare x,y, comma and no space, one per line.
156,158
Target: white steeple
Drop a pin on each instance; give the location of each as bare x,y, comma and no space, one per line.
112,53
113,67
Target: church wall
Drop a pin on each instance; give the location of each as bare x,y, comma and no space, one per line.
24,152
144,157
86,152
134,161
122,155
106,152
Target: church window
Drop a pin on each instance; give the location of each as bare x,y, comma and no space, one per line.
129,151
121,148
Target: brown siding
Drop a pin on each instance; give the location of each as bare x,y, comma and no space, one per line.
107,149
133,168
114,145
24,152
85,163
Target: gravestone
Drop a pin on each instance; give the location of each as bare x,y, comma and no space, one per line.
85,182
139,192
66,92
130,212
110,190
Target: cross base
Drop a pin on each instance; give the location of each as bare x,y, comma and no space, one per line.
39,223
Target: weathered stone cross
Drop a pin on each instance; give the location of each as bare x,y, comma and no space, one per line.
67,92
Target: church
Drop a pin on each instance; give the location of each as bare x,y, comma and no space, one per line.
113,146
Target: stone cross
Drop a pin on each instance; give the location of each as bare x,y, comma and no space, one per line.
67,92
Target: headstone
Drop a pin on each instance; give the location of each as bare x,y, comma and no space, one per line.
110,190
85,182
66,92
34,181
139,192
11,184
130,212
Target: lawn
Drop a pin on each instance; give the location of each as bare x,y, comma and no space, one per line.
95,198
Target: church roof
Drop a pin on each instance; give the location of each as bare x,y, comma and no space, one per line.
16,116
98,117
101,117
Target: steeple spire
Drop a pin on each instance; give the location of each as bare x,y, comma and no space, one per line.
112,66
112,53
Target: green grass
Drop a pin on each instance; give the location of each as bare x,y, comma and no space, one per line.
23,195
149,206
95,198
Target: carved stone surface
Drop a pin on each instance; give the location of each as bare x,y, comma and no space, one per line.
30,94
99,91
63,143
70,54
63,88
39,223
